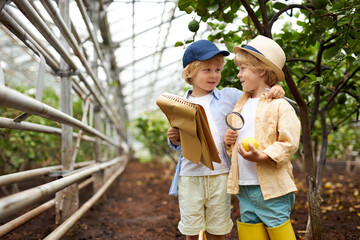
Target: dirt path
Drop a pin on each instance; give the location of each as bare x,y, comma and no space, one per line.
138,207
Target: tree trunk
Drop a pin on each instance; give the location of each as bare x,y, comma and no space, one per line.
310,164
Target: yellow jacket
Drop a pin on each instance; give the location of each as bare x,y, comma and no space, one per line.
277,129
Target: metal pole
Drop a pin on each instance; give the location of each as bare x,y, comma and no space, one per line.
98,176
13,26
67,200
31,14
16,100
18,201
27,126
21,220
16,26
63,228
72,42
29,174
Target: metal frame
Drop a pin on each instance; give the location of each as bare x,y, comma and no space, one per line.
105,115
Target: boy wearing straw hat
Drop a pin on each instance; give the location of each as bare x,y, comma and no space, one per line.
262,178
203,201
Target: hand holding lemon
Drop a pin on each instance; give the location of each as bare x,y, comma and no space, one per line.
245,143
252,155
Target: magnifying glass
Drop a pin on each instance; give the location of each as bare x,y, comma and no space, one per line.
235,121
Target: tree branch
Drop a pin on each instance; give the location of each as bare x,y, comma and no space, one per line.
333,128
340,85
253,17
315,108
291,6
265,18
222,8
300,60
318,71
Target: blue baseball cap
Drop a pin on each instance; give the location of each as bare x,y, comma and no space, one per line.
201,50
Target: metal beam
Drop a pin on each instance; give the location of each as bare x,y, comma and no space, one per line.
29,174
14,99
16,202
149,29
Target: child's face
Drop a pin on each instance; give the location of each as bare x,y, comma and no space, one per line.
250,80
207,78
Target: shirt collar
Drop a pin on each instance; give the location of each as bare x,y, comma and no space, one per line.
215,93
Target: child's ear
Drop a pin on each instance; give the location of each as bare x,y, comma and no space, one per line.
262,72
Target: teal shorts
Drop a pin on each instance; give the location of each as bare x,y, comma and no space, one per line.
254,209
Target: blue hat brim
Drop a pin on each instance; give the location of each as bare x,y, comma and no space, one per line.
212,54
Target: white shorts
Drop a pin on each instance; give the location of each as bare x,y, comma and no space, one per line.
204,204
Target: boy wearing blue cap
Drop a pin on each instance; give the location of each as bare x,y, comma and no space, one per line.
203,201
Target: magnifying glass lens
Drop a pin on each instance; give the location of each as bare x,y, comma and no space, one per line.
234,120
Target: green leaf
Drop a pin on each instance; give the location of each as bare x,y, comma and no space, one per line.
354,45
235,5
229,45
183,4
202,4
330,53
279,5
178,44
343,20
213,7
314,80
189,9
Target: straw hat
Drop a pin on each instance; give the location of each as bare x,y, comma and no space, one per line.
269,52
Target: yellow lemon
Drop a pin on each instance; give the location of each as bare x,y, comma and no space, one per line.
245,143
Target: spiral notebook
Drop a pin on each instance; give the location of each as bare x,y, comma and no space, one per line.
197,144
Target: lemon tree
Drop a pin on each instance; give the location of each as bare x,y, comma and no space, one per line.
322,70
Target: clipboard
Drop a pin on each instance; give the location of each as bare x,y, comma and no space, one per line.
190,118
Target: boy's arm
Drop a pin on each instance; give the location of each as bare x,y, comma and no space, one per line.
289,135
229,139
174,138
173,146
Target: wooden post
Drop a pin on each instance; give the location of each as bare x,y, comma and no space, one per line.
67,200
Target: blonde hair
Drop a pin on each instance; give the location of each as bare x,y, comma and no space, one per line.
255,64
193,68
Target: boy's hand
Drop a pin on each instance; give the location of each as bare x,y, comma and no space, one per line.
276,92
253,155
230,137
174,136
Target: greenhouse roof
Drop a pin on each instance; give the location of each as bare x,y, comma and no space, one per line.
143,34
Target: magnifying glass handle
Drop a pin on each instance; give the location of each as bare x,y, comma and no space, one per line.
287,99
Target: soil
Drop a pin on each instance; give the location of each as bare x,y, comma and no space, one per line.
137,206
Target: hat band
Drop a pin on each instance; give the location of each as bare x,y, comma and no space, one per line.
253,49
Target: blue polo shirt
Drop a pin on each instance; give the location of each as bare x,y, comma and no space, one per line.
222,103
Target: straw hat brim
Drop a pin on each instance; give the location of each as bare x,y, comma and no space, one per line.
278,72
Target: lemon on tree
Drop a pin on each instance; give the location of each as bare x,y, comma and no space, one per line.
193,26
245,143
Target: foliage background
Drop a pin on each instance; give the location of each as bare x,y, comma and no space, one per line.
20,149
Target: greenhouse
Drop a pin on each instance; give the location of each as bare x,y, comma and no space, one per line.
93,115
